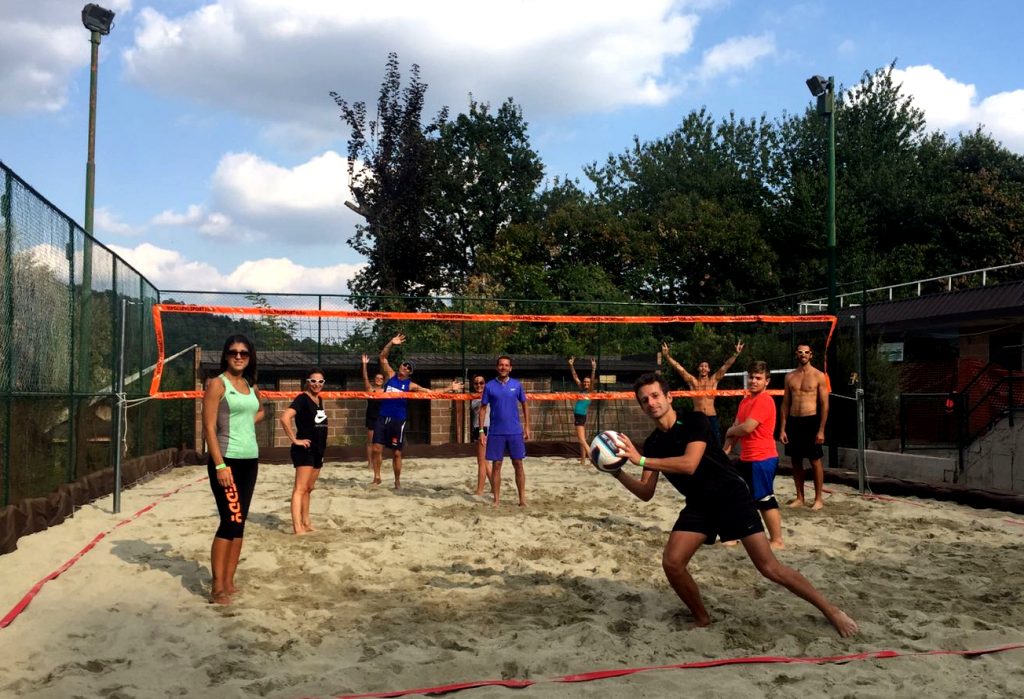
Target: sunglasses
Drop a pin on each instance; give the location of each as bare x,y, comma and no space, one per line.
316,381
407,365
241,354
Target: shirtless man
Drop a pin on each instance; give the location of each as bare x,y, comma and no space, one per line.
704,381
802,424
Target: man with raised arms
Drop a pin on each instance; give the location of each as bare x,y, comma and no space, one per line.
802,425
718,503
704,381
390,428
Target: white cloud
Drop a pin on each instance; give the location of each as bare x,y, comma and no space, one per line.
105,221
44,44
278,59
252,199
950,105
168,269
736,54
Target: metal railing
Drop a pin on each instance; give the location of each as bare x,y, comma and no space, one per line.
917,288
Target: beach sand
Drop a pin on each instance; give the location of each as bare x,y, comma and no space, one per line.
430,586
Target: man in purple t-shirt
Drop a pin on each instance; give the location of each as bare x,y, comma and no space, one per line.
506,435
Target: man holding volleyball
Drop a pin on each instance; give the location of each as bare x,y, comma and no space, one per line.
718,502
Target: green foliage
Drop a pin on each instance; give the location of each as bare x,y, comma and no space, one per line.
391,178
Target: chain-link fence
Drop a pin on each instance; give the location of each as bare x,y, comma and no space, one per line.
69,309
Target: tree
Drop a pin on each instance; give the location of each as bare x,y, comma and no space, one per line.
486,179
694,204
391,178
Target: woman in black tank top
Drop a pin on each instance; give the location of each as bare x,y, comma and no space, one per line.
372,410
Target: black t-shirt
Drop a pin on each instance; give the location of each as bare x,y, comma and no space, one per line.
310,421
715,475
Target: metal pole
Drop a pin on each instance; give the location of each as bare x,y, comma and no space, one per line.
119,421
829,109
859,393
830,106
6,209
85,320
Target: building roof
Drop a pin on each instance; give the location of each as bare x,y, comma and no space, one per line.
982,306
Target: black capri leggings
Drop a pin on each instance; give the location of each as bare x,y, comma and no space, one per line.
233,502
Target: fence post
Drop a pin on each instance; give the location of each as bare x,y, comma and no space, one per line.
6,207
903,424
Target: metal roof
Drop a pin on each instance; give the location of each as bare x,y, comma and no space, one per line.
984,305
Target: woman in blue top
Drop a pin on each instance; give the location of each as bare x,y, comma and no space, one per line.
579,411
231,409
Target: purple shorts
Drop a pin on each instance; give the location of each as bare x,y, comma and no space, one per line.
501,445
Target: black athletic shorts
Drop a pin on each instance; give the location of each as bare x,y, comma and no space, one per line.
306,456
801,432
579,420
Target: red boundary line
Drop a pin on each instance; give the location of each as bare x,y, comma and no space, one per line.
24,602
696,665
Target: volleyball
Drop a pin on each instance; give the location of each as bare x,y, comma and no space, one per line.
604,452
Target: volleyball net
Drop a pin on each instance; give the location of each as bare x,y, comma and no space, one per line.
448,347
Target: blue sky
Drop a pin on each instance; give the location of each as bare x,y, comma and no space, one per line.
220,158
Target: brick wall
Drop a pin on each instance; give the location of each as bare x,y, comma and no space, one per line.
549,420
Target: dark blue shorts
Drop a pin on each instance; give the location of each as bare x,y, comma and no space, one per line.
760,478
501,445
390,432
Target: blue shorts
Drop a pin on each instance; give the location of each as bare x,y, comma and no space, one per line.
760,478
390,432
501,445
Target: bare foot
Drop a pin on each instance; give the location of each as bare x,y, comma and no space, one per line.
398,485
842,623
701,621
302,532
777,544
375,481
309,527
221,597
730,543
798,502
818,504
522,503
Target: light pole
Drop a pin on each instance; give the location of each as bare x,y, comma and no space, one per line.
98,21
825,91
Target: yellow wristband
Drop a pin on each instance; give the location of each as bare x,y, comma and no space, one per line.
643,460
218,467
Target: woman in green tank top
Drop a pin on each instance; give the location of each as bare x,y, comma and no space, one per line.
231,409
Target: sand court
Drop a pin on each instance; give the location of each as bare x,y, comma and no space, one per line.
430,586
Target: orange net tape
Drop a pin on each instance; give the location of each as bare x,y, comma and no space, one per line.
158,309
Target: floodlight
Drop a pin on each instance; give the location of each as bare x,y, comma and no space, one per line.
97,19
817,84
